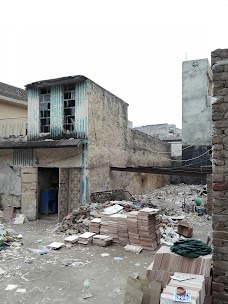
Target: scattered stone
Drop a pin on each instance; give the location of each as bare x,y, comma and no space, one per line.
105,254
55,245
11,287
21,290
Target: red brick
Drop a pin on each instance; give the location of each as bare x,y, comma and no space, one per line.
219,186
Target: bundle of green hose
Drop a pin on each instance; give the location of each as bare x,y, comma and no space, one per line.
190,248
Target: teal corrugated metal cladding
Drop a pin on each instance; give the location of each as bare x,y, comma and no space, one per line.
56,113
33,113
81,109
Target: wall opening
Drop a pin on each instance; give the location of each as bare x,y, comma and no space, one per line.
45,99
69,107
48,187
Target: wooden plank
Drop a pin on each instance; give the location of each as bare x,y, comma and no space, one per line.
155,292
133,295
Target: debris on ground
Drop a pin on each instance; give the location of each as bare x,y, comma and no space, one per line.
8,237
133,248
55,245
112,195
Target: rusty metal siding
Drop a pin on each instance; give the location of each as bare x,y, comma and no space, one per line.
33,113
22,157
56,118
81,109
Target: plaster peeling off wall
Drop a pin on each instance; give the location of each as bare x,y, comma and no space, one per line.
10,183
10,187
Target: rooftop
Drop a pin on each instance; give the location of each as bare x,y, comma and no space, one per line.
9,91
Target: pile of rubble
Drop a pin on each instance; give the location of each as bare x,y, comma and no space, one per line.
8,237
79,220
175,203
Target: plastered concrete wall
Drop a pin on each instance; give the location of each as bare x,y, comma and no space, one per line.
6,157
58,157
196,105
9,110
112,143
219,61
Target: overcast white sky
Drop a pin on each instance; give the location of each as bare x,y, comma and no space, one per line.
134,49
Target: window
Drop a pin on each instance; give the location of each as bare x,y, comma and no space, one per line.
69,107
45,110
22,157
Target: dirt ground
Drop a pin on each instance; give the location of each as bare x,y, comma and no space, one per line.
75,275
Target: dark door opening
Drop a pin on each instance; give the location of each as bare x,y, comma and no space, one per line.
48,187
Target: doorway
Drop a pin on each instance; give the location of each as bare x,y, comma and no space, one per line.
48,187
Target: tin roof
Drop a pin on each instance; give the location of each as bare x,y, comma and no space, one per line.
62,143
56,81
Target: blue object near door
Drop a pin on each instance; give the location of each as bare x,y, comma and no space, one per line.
48,201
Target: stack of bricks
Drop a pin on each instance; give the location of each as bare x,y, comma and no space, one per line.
132,226
122,229
148,226
219,61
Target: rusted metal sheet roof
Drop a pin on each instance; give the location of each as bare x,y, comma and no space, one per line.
62,143
57,81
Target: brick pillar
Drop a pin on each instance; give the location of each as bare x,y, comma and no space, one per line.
219,61
209,194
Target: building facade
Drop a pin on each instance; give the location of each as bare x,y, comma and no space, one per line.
196,112
77,130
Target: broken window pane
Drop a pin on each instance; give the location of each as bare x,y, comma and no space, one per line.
45,110
69,107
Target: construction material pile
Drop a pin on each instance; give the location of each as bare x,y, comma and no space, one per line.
196,273
78,221
135,227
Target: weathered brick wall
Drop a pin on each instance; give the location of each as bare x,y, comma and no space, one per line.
219,61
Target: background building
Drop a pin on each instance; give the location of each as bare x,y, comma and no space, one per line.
196,113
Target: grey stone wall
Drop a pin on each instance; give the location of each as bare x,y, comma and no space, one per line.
112,143
219,61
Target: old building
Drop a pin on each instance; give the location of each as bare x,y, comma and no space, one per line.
196,113
168,133
76,131
13,121
13,113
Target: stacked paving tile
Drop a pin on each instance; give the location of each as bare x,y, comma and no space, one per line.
102,240
122,229
95,225
135,228
132,226
104,224
195,287
113,228
148,227
166,263
86,238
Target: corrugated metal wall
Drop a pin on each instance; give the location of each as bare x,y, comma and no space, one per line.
22,157
81,109
56,118
56,111
33,113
